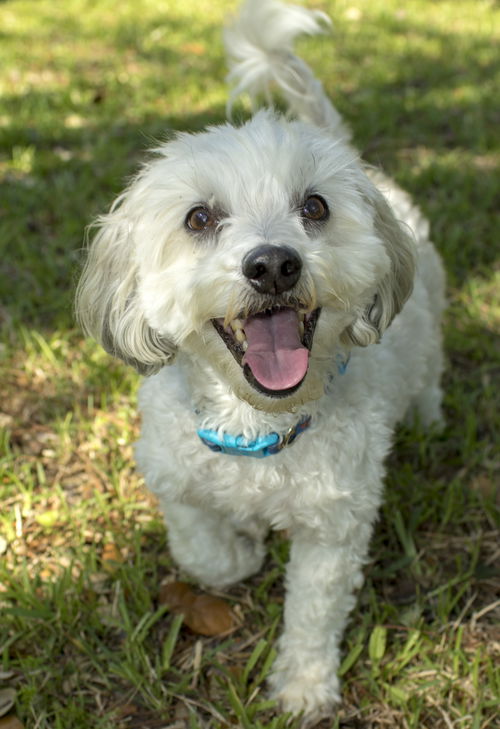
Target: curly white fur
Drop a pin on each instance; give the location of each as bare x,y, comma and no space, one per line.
152,286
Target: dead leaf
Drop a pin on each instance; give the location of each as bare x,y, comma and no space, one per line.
126,710
6,420
210,616
47,573
7,700
111,557
195,49
10,722
203,614
487,486
179,596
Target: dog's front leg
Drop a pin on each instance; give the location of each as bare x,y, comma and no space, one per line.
321,581
214,548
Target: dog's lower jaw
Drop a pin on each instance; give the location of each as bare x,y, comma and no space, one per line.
209,354
311,389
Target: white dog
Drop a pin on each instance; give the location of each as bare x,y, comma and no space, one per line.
275,273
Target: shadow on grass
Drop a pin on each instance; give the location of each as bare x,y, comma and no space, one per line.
444,94
47,202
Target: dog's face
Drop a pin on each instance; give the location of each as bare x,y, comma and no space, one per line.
261,250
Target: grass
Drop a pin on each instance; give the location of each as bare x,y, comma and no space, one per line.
84,88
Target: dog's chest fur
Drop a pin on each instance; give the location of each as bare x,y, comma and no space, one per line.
314,479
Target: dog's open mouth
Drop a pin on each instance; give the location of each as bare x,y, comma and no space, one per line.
272,347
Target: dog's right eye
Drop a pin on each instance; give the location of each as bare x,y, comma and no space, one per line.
315,209
200,218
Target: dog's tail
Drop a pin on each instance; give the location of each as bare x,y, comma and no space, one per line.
259,44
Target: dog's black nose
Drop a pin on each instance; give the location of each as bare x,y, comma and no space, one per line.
272,269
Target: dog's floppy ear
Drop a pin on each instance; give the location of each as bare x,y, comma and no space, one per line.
107,305
397,284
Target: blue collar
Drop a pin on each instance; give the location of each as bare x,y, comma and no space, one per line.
264,445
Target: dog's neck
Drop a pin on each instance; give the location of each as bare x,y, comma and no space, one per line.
219,410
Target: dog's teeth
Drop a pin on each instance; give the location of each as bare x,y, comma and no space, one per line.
237,325
240,336
244,345
301,328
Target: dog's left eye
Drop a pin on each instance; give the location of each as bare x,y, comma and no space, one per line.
200,218
315,208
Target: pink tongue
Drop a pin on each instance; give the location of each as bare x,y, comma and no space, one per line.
275,354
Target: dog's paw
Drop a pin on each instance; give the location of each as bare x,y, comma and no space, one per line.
212,549
309,691
231,562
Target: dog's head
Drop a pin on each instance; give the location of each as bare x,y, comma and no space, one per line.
258,251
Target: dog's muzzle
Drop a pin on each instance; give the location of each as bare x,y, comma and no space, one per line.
272,344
